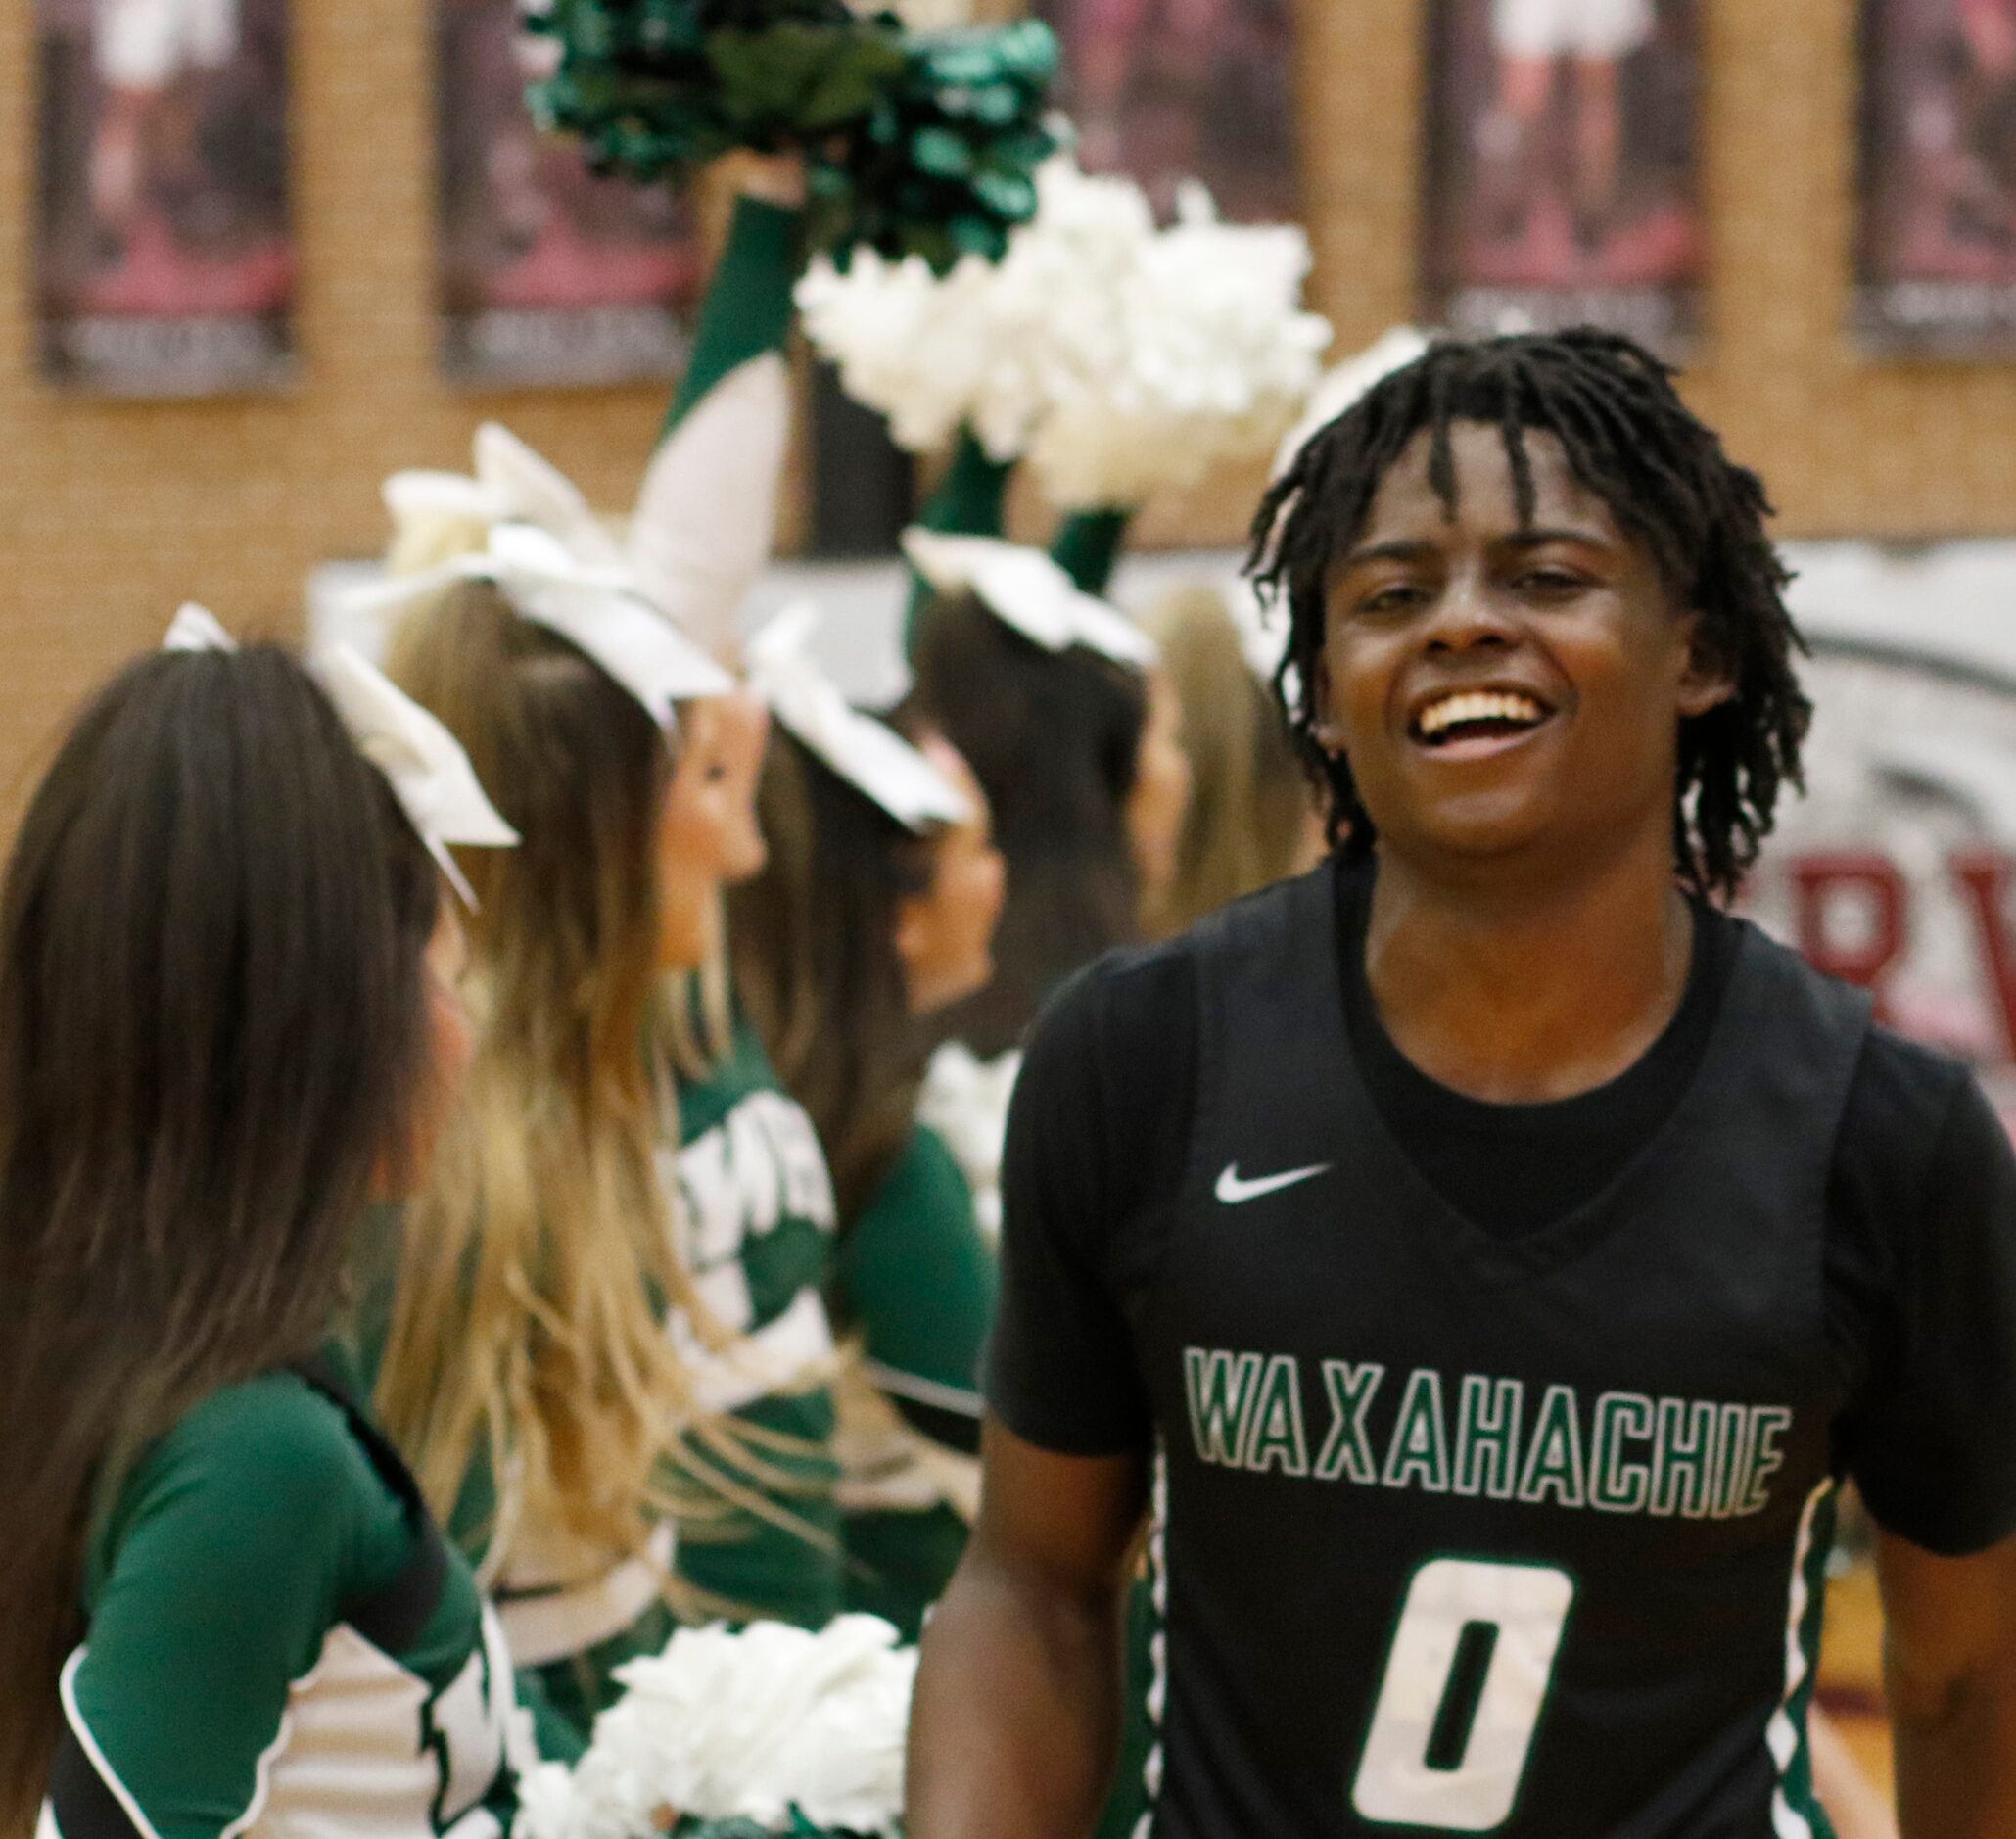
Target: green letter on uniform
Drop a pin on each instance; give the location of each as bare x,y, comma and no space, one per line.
1278,1423
1222,1392
1554,1463
1347,1450
1419,1454
1487,1435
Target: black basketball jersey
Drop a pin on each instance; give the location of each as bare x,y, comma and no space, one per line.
1576,1485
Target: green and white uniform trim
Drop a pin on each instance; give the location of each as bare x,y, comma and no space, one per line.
1796,1810
279,1642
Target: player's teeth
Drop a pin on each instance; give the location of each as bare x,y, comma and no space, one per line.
1479,706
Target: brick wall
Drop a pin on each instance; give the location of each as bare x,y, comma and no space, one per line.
109,512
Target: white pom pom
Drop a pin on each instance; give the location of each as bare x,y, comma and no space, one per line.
745,1724
1121,359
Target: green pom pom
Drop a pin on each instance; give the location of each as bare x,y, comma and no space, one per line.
916,146
942,169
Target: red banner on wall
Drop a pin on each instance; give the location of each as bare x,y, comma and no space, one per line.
547,275
1168,91
163,257
1560,166
1936,257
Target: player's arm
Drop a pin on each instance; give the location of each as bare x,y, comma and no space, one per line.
1016,1718
747,312
1936,1458
1017,1710
1949,1664
1855,1807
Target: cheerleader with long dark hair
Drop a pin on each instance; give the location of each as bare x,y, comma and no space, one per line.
875,913
227,1020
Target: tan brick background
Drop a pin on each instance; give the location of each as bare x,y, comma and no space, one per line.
110,512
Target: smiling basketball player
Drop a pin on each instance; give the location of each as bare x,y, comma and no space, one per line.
1489,1256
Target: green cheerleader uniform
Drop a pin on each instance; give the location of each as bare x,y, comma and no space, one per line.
756,1222
758,1203
757,1217
759,1260
915,1284
278,1640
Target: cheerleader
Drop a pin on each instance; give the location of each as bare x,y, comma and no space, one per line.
1058,704
524,1358
877,911
756,1199
227,1019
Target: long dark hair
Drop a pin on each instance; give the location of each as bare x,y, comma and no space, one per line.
213,1036
1055,739
815,963
1631,440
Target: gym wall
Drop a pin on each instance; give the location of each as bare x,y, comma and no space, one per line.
110,512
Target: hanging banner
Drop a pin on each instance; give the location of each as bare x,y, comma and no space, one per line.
547,275
163,264
1897,868
1168,91
1561,183
1936,269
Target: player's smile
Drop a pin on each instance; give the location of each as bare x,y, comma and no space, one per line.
1504,677
1477,721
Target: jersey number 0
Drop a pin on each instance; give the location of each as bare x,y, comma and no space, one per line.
1466,1678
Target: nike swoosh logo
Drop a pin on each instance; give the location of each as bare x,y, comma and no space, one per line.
1236,1192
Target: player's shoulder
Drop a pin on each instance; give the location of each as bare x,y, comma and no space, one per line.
1122,1003
1784,988
1908,1081
1913,1109
1904,1094
1134,998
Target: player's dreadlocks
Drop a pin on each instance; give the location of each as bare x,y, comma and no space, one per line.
1630,439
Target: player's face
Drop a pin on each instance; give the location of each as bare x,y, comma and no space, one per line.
1505,689
708,832
742,722
945,935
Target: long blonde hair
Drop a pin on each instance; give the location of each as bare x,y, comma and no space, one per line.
537,1268
1250,818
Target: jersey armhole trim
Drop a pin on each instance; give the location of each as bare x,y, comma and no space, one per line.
1794,1800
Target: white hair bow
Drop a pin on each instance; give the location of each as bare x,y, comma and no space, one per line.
424,764
869,755
707,510
512,482
430,773
197,628
595,607
1027,589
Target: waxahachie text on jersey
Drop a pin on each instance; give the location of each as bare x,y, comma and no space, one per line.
1628,1453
